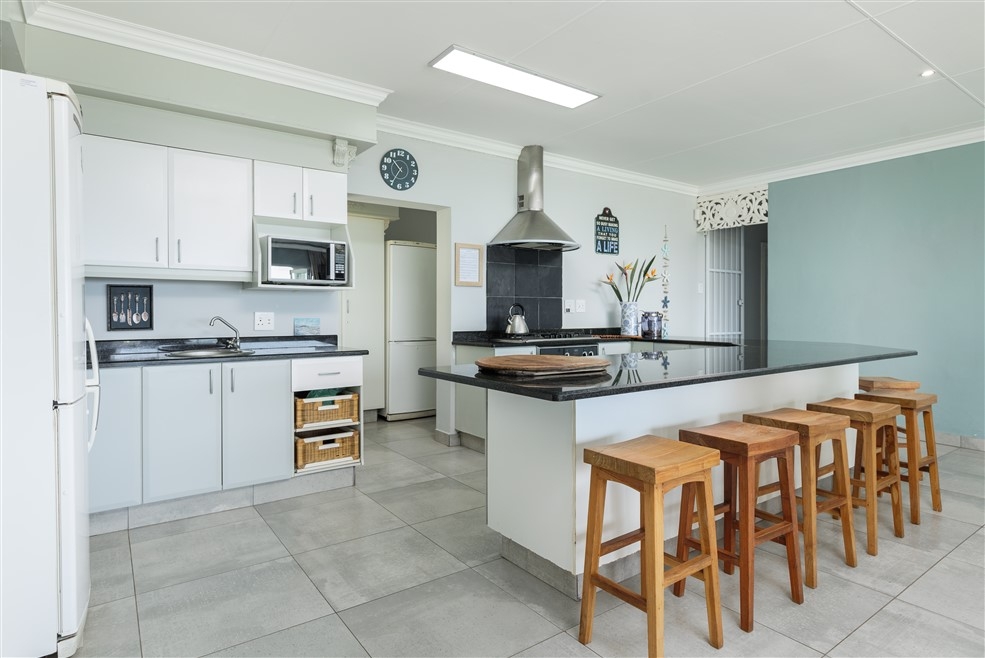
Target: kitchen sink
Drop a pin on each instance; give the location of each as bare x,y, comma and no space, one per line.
208,353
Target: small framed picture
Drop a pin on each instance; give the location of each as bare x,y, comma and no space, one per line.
468,264
129,307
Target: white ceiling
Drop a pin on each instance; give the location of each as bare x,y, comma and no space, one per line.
704,94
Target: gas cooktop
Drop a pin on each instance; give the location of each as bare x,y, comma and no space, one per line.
546,337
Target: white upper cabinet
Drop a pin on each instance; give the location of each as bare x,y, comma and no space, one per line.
291,192
125,202
211,221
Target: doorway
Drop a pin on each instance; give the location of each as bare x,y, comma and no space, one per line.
736,275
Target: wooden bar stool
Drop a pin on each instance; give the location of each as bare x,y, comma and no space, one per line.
913,404
887,383
743,447
869,420
652,466
814,428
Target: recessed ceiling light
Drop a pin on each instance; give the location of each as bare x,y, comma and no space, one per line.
483,69
927,73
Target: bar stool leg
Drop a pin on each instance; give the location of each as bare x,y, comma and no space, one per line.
593,541
684,531
912,463
785,468
706,519
895,489
870,478
931,438
653,559
840,490
859,461
747,543
728,532
808,478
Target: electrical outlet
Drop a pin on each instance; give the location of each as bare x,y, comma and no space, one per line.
580,305
701,288
263,321
569,305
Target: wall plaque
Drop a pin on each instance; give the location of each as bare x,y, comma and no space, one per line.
606,233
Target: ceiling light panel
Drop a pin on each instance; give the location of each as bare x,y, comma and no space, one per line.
484,69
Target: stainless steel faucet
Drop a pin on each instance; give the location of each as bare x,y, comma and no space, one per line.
230,342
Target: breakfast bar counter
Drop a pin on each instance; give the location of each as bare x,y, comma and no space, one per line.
538,427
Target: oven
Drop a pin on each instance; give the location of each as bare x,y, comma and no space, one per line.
570,350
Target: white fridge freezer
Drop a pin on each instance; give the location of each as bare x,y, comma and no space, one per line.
410,328
45,434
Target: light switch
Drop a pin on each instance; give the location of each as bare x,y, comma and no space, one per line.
580,305
569,305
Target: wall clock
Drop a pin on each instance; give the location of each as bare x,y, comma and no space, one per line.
398,168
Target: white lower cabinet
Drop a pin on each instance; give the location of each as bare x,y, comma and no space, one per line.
257,415
470,401
182,430
114,461
619,347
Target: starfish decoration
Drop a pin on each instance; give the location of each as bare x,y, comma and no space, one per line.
665,301
665,250
666,361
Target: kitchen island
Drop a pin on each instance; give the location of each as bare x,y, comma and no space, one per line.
537,429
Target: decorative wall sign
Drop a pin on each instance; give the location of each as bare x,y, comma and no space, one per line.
738,208
606,233
129,307
468,264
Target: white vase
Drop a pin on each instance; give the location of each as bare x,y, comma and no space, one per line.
629,318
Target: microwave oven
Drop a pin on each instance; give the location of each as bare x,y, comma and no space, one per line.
289,261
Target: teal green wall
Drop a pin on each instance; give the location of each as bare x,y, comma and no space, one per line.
892,254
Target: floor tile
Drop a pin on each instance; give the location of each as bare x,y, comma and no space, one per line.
622,632
385,432
326,637
827,615
361,570
371,479
475,479
111,630
561,645
209,614
190,555
374,453
455,461
152,532
458,615
972,550
316,526
465,535
944,590
333,496
110,569
419,446
901,629
429,500
190,506
336,478
561,610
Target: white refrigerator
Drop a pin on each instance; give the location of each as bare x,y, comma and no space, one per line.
45,429
411,284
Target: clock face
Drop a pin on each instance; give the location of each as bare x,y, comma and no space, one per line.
398,168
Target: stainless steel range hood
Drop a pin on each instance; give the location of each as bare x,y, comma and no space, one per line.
530,227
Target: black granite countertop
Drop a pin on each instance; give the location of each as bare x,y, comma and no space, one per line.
579,337
629,373
129,353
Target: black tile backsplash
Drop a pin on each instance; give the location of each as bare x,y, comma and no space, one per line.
529,277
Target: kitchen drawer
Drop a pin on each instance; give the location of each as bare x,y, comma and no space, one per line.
332,372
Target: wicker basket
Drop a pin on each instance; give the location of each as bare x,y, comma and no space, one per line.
326,447
309,411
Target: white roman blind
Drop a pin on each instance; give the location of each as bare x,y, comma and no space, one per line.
732,209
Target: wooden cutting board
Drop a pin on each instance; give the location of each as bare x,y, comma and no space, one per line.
540,364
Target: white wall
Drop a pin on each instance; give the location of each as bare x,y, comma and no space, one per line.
182,309
480,191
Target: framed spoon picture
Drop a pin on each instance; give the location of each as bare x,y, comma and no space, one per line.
129,307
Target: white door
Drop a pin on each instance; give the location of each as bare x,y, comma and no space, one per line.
325,197
276,190
407,391
411,291
723,254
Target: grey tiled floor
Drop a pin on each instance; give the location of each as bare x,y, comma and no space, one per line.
403,565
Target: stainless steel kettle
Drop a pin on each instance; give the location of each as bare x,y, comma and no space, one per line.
516,324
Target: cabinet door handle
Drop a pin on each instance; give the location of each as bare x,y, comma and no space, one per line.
210,381
179,250
232,380
327,374
311,200
294,207
157,250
